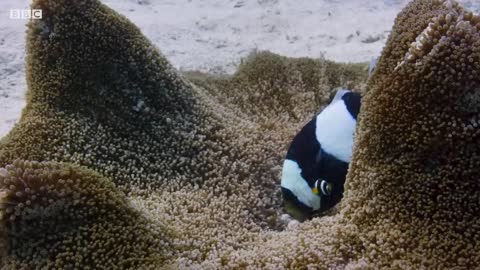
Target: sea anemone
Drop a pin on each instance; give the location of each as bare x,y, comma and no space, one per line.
134,166
56,215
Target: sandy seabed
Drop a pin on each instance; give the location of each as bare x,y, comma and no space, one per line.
213,36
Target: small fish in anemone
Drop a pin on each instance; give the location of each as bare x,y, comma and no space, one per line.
317,161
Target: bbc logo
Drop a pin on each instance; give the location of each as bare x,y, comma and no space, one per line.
34,14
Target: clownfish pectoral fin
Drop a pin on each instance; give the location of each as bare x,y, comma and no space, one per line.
318,156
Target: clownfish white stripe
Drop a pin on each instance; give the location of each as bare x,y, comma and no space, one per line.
323,187
335,130
293,180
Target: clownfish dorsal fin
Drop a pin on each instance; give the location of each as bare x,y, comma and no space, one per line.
338,96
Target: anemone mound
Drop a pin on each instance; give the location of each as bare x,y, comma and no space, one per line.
73,215
134,166
272,88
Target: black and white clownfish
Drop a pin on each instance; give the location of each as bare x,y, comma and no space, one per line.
317,161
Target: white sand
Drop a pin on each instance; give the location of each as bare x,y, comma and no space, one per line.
213,35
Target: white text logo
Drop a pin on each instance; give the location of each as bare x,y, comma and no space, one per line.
34,14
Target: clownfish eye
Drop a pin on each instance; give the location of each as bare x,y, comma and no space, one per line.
323,186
